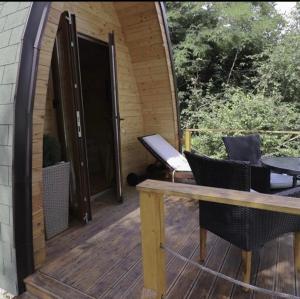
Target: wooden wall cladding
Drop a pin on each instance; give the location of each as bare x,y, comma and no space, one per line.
145,37
145,86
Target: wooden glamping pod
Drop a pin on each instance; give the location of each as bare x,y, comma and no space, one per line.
96,75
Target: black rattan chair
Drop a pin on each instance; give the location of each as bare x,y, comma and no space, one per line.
248,148
246,228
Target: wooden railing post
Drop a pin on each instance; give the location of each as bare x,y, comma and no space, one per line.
188,140
153,235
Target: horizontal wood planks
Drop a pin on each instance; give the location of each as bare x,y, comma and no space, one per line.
146,41
103,259
146,93
256,200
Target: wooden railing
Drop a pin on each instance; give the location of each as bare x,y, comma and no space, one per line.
152,195
188,134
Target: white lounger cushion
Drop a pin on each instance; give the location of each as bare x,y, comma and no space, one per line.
281,181
167,152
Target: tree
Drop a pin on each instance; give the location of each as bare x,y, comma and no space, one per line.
278,67
248,111
214,42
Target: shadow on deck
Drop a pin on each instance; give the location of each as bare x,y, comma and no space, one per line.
103,258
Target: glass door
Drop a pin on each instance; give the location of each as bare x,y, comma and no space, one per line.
71,115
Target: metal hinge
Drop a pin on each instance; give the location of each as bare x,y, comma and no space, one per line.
78,124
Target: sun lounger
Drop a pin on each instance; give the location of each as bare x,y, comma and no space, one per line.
163,151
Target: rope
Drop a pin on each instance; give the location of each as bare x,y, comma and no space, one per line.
225,277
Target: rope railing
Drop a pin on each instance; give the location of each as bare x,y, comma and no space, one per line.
228,278
188,133
152,194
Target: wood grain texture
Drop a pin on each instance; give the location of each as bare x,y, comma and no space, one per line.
246,264
145,86
153,236
226,196
103,259
146,40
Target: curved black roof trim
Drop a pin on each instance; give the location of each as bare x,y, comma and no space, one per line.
166,27
22,146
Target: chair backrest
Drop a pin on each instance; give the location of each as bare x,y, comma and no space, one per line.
220,173
243,148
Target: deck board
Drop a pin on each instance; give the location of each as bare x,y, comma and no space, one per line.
103,258
231,267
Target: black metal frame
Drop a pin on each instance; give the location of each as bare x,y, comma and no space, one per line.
116,115
92,39
22,147
114,89
84,177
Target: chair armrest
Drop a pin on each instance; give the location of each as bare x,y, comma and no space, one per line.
260,178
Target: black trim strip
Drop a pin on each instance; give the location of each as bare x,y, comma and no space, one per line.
166,27
22,148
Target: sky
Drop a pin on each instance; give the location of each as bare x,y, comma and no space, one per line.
285,7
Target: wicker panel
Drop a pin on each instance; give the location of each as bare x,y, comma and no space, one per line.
56,198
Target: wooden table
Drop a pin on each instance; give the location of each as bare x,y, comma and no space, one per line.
287,165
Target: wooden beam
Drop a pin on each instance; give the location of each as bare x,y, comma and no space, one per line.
232,197
203,239
153,235
246,261
188,140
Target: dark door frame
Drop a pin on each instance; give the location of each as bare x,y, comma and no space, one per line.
22,147
116,116
114,107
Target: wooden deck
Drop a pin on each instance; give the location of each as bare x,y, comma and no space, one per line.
103,258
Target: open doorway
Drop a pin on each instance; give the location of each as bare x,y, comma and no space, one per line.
98,114
83,115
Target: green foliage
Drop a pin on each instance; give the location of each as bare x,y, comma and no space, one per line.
280,71
237,67
213,43
51,151
248,111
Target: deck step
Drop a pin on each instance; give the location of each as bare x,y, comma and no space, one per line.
43,286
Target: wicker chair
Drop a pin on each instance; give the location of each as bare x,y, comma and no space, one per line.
246,228
247,148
